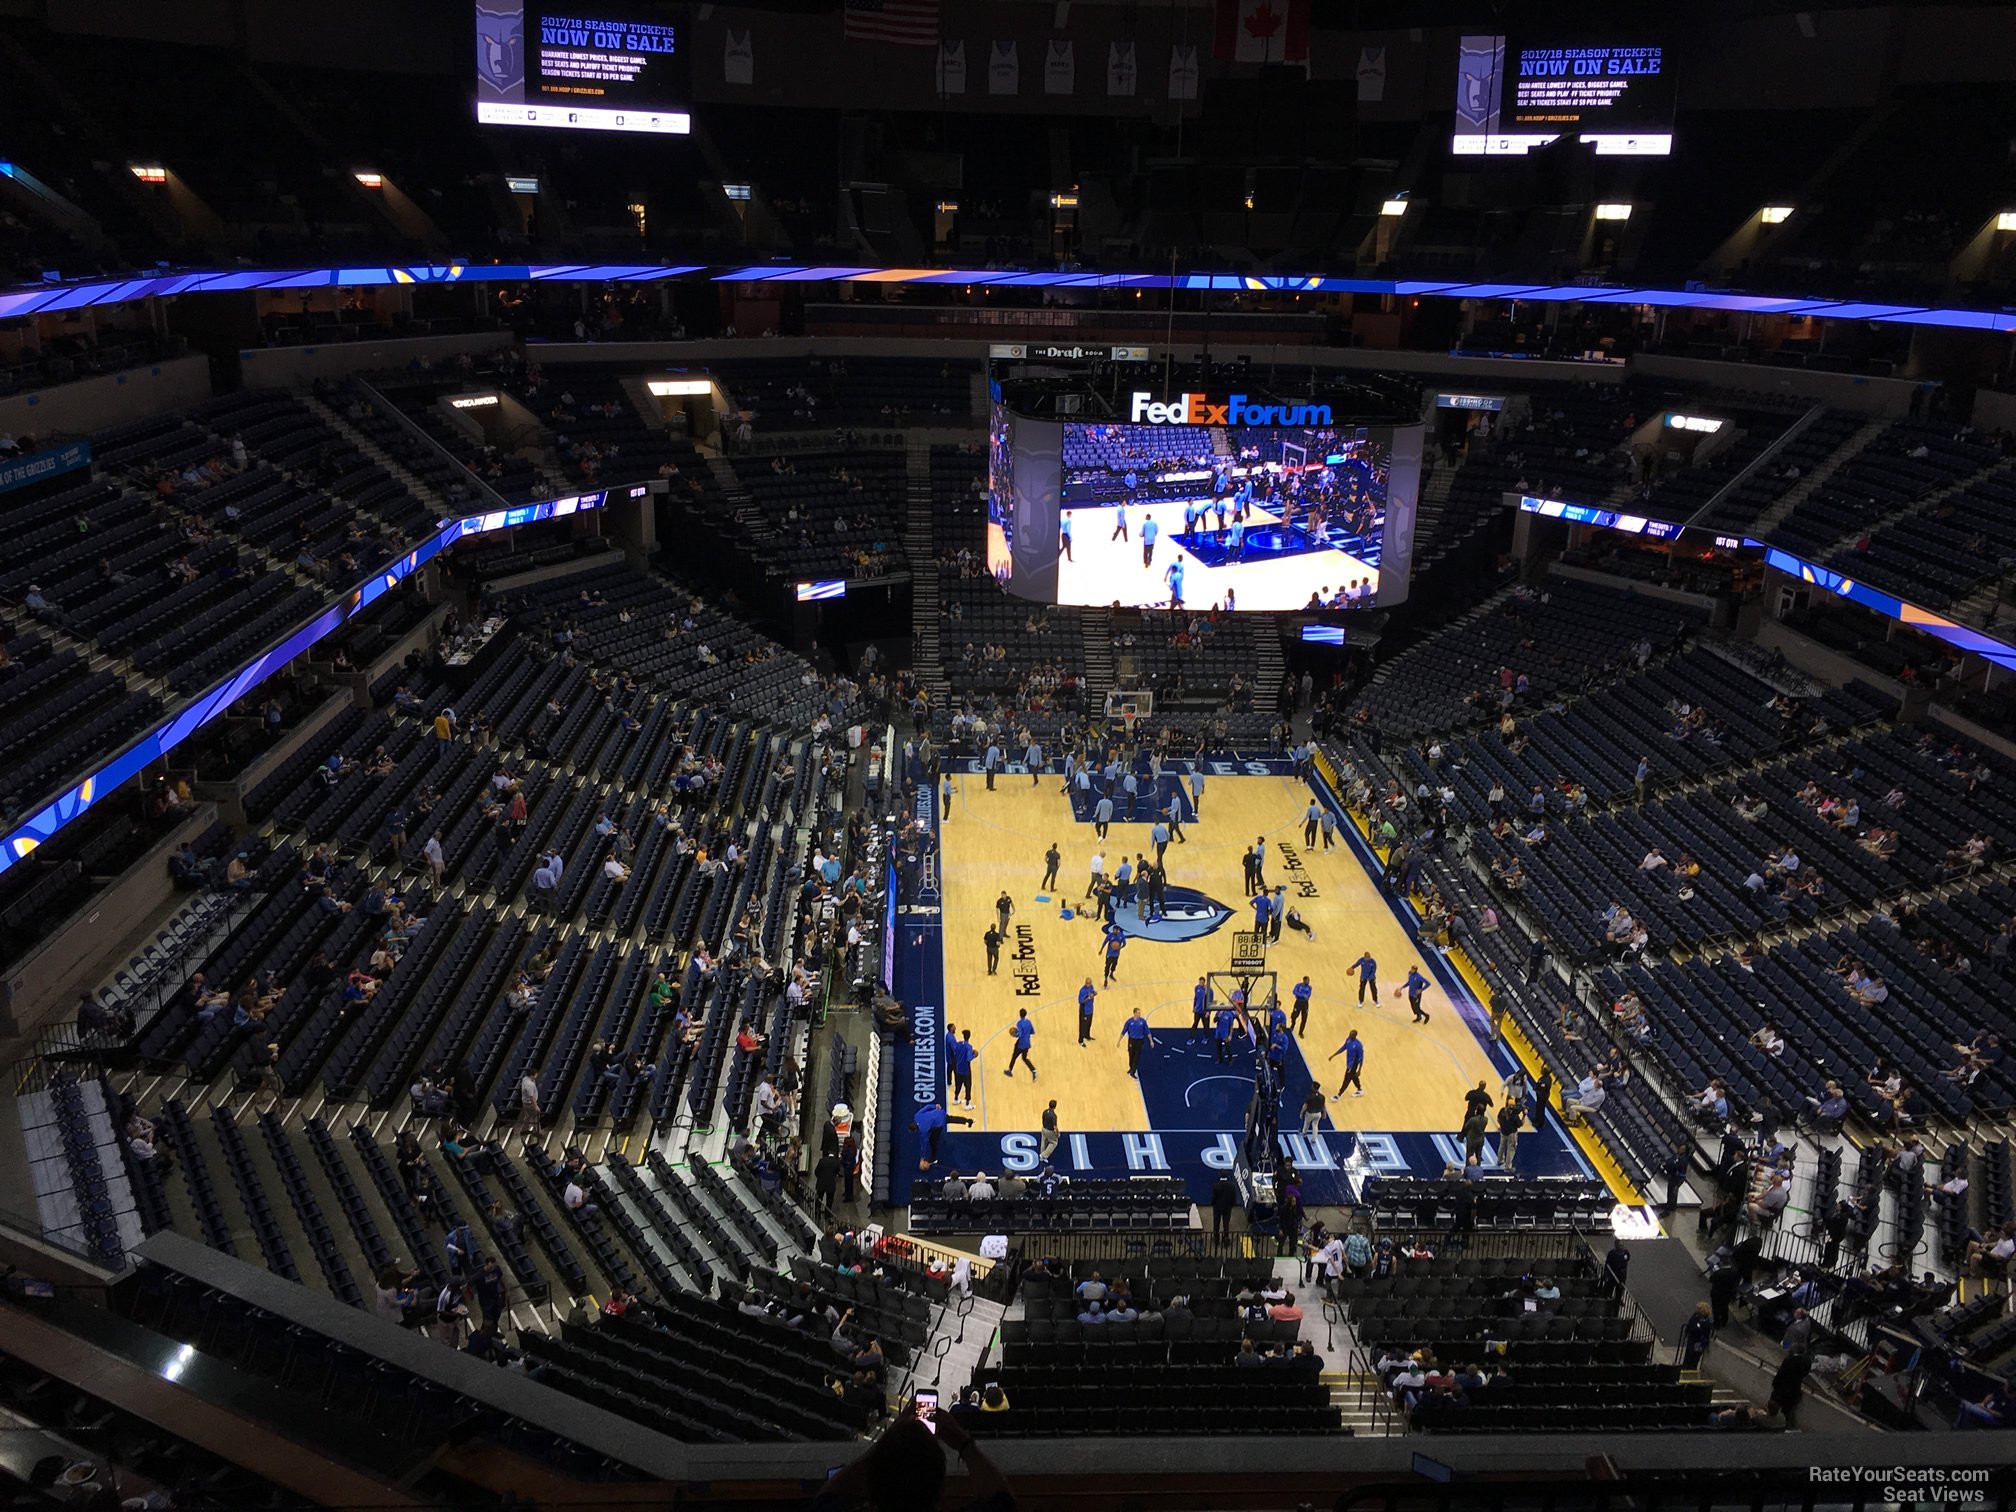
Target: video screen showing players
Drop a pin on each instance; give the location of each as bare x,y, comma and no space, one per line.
548,66
1001,494
1225,517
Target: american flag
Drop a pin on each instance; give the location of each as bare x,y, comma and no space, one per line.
910,23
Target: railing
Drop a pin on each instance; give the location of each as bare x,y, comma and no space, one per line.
1373,1397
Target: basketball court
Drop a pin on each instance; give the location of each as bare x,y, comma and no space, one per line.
1187,1112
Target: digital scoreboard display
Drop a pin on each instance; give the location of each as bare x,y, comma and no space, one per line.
580,70
1516,93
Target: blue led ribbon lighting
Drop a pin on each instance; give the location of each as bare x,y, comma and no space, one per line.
40,827
36,299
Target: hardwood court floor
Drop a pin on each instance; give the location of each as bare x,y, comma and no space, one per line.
1415,1075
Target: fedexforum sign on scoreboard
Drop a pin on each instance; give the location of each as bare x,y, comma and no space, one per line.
1234,409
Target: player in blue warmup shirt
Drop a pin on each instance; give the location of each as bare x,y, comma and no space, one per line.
1277,1018
1149,530
1226,1020
1353,1051
1116,938
1277,1050
1298,1022
930,1123
961,1066
1024,1032
1087,996
1368,978
1263,909
1134,1034
1200,1009
1414,986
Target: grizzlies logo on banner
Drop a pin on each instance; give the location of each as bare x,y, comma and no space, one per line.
1480,63
500,49
1187,914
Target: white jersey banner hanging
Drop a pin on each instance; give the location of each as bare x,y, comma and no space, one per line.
1371,73
1183,73
738,59
1060,69
951,68
1120,69
1004,70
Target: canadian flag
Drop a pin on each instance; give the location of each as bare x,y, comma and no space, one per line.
1263,31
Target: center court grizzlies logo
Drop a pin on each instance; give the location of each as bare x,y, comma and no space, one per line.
1186,914
500,49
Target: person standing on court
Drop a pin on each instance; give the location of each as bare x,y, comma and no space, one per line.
1123,883
1004,910
1510,1117
1135,1035
1312,1109
1088,996
1312,820
1052,858
1102,815
1260,860
1298,1021
1353,1051
1172,815
993,939
1033,759
1119,523
961,1066
1098,874
1149,530
1227,1021
1224,1198
1200,1009
1249,882
1153,881
945,801
1263,908
1473,1134
1368,978
1116,940
1159,835
1414,986
1024,1032
1196,791
1328,824
993,762
1046,1144
1131,786
1278,912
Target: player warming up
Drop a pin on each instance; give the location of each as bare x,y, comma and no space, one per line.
1414,986
1368,978
1353,1051
1024,1032
1134,1034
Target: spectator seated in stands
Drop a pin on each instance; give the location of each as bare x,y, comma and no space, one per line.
1830,1108
1710,1106
1588,1096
